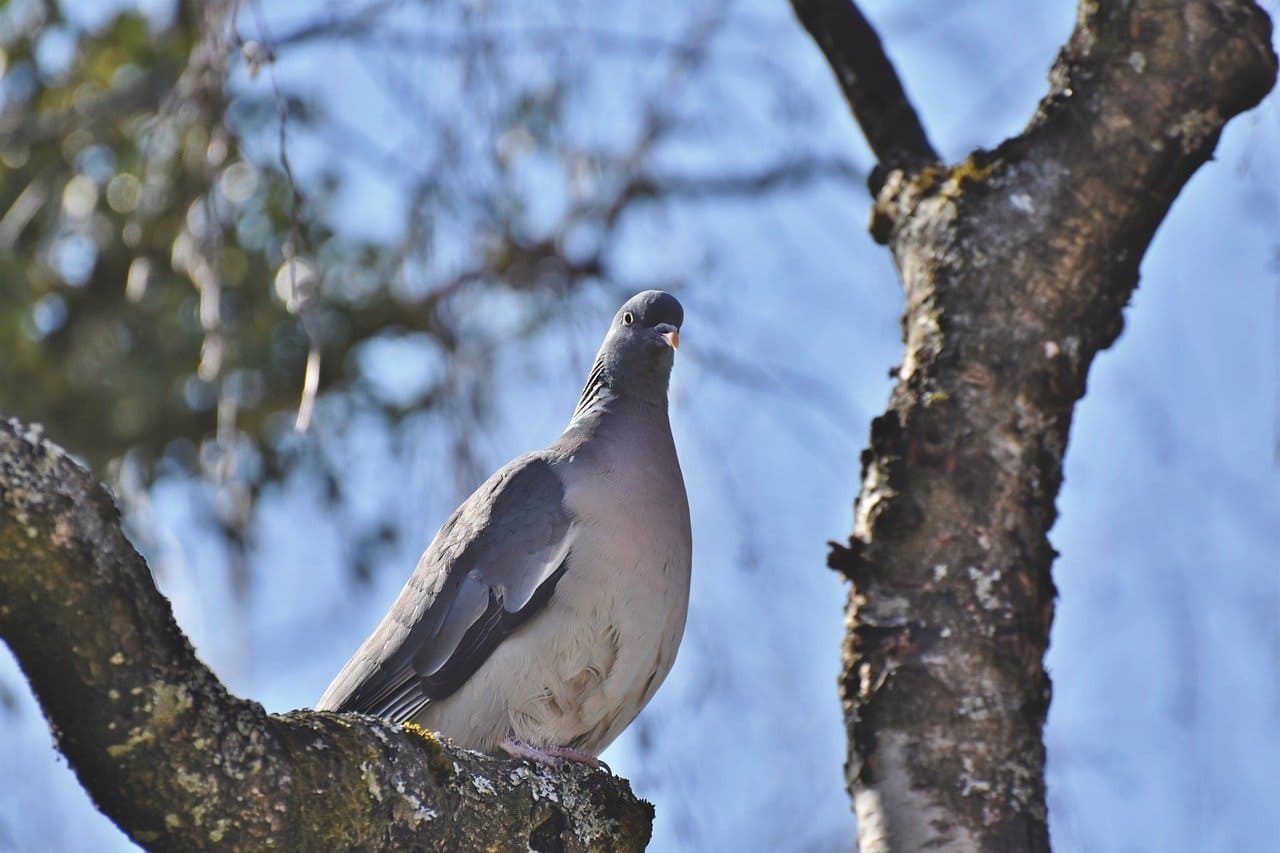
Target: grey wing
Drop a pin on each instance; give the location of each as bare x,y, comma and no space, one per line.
494,564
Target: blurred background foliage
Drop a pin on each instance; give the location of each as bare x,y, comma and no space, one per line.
138,248
166,273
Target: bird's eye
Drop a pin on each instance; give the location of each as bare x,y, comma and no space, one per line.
628,318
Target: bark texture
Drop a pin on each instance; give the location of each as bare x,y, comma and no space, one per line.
180,764
1017,265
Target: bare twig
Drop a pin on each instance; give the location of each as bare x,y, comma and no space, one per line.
305,302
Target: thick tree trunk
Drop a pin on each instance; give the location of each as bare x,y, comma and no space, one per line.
180,764
1017,265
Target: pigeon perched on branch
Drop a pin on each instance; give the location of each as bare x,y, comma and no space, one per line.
548,609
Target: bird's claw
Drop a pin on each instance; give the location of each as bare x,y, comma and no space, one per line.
551,756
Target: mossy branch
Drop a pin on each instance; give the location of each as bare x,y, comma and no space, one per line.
180,764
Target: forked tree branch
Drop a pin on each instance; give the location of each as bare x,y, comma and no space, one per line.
180,764
869,82
1017,265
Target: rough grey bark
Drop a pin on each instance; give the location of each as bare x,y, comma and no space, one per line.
180,764
1017,264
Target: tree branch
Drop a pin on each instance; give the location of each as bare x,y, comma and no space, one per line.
869,82
89,113
1017,265
781,176
180,764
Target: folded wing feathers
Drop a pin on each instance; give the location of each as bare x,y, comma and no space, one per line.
493,565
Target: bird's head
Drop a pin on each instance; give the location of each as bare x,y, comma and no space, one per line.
645,333
639,349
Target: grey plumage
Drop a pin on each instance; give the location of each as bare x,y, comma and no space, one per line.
550,605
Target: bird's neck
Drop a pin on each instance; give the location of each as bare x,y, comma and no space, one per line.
606,392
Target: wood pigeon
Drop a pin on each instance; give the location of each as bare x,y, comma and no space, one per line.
548,608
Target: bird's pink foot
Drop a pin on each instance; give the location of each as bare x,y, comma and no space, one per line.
551,756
